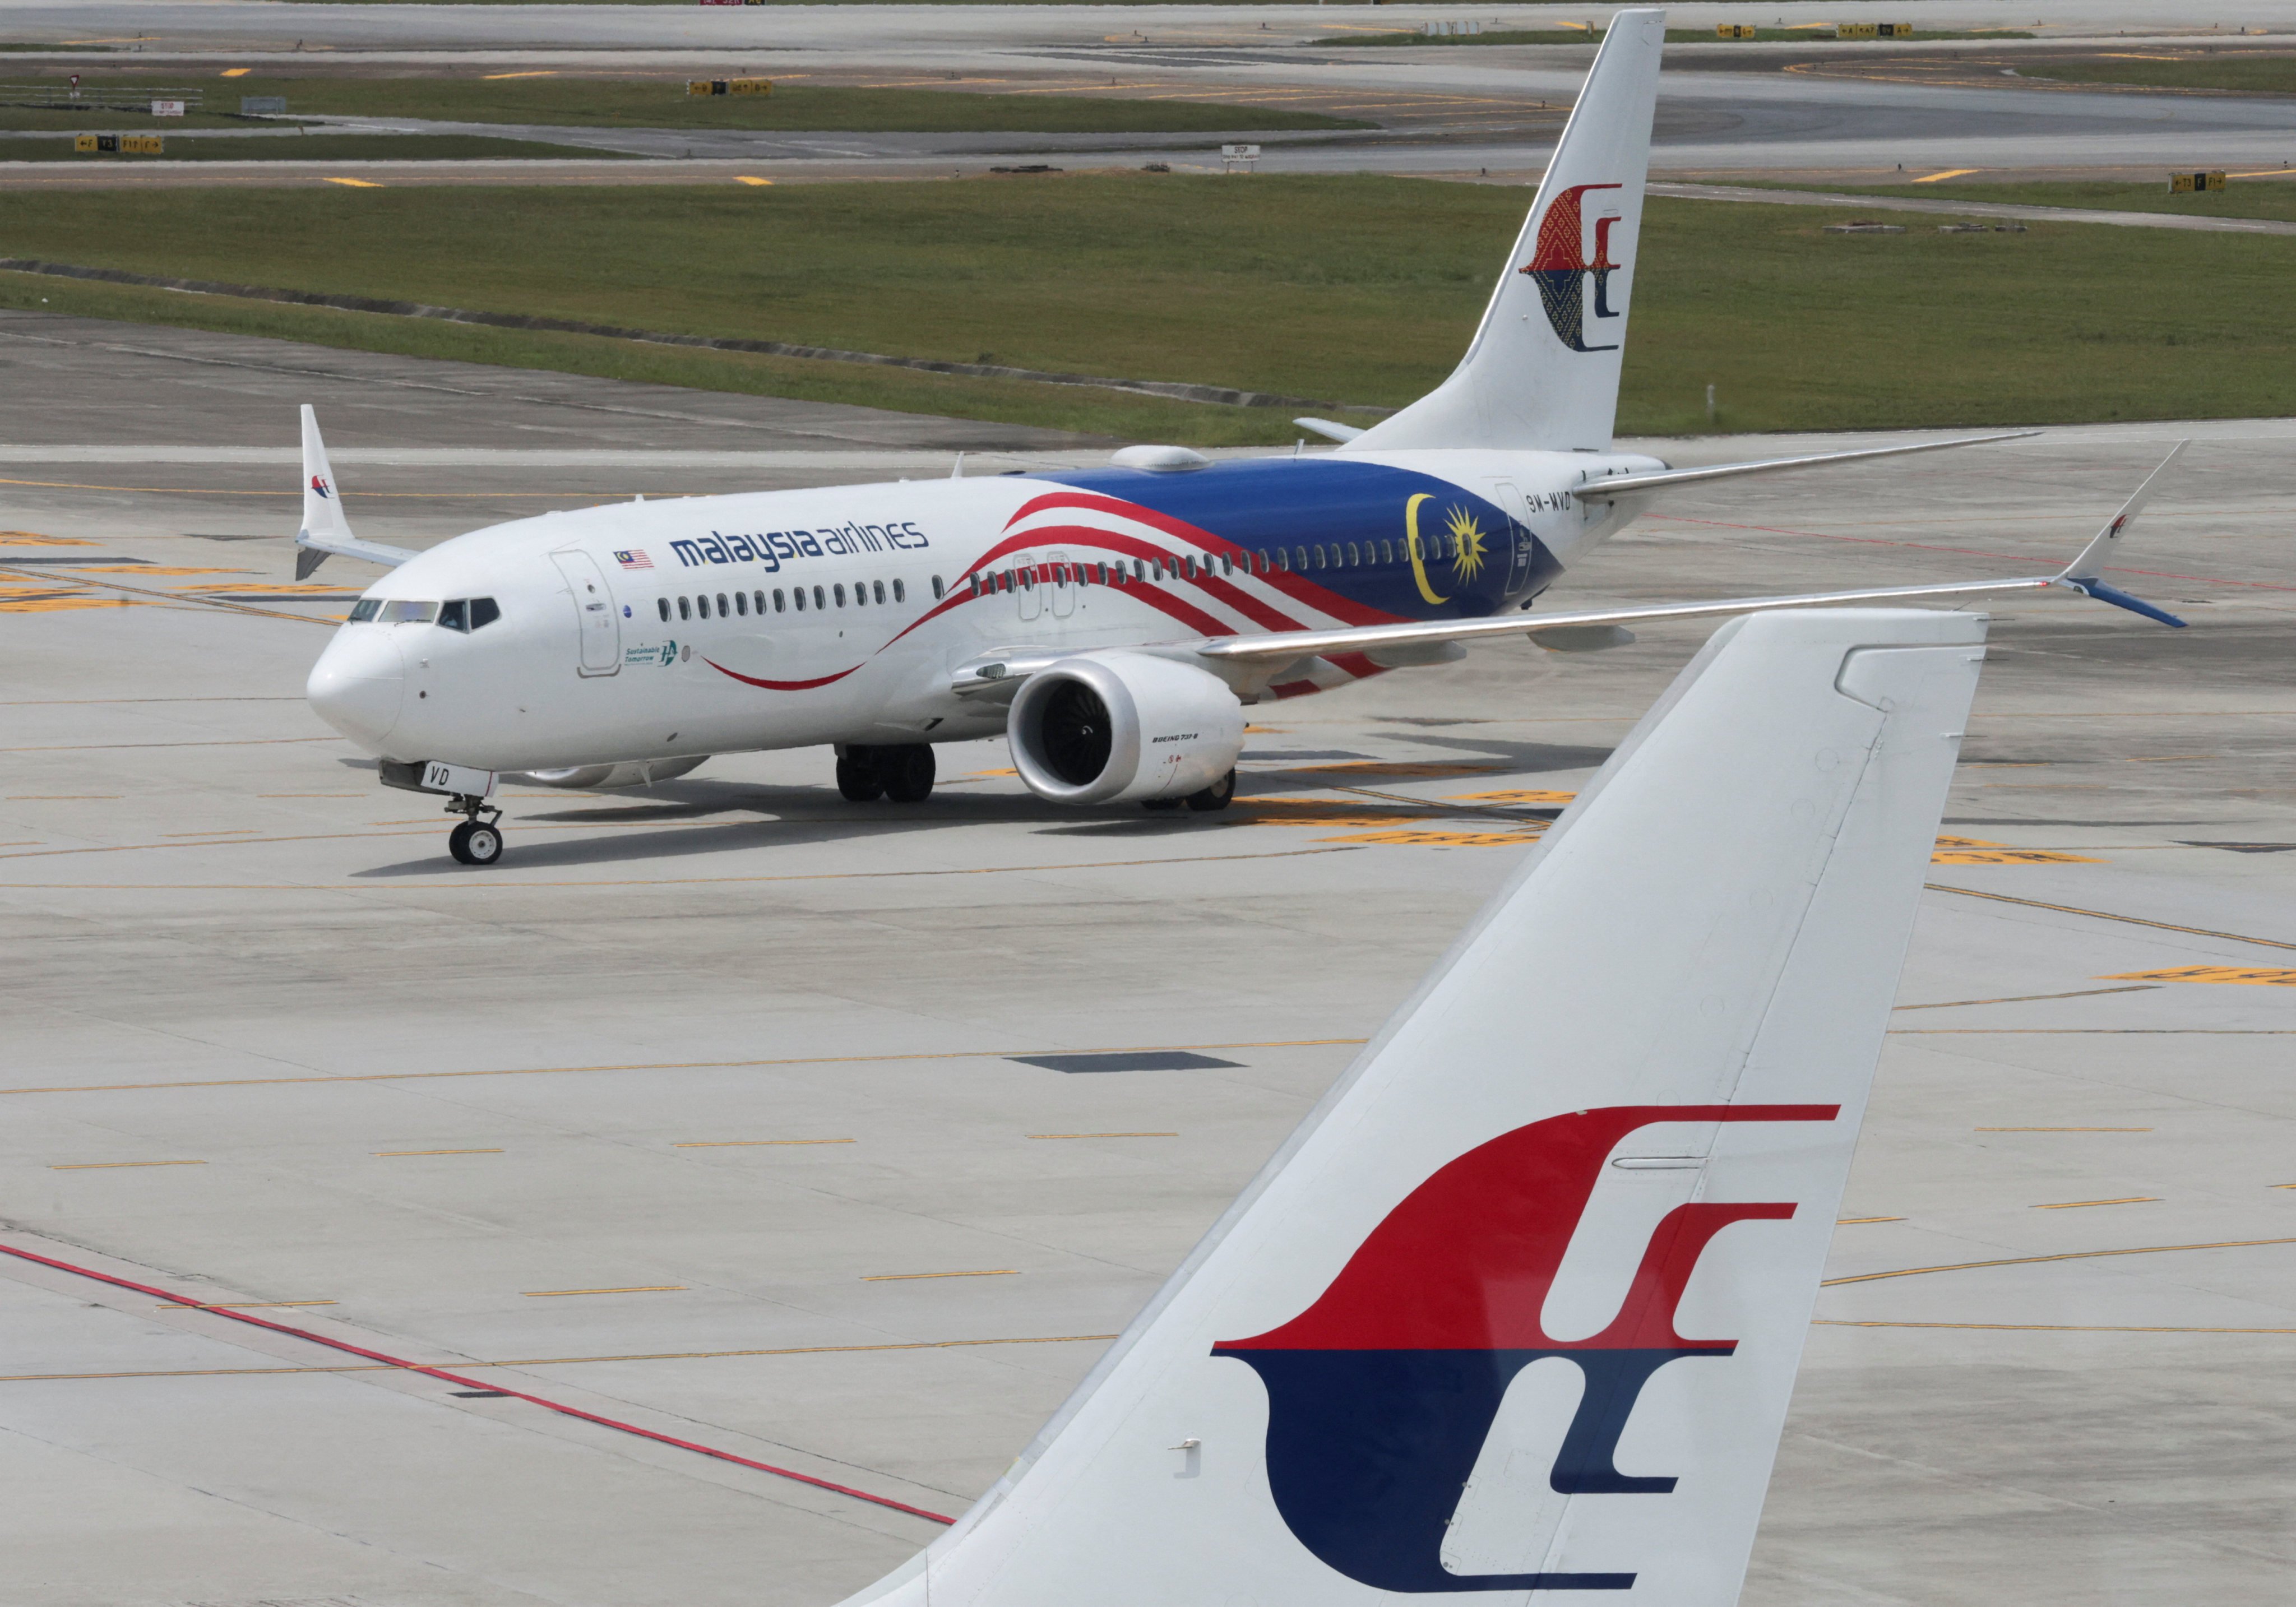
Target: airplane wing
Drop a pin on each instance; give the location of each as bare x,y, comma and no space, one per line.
1520,1306
1658,480
325,533
2078,576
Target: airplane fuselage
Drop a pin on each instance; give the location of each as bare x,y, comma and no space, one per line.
643,631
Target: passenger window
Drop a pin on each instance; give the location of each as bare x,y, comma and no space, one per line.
722,610
758,599
820,598
1103,574
741,603
684,612
877,590
839,592
1298,558
702,606
777,599
663,604
936,584
1227,564
900,591
800,599
450,615
1354,558
1322,562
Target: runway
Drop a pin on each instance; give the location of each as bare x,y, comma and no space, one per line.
715,1123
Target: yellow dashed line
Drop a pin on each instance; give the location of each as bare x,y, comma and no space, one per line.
545,1294
356,184
748,1144
902,1277
2253,976
2072,1205
2069,1255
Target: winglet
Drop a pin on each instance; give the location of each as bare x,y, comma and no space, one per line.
1380,1374
325,532
2081,574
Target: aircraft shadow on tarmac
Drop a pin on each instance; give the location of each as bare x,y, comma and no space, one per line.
794,816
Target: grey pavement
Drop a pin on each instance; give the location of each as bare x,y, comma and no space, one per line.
736,1057
1980,208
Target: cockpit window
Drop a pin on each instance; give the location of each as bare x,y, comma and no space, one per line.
453,615
397,610
468,613
366,609
483,611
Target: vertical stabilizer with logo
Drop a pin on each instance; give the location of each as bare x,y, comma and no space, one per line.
1518,1308
325,532
1543,370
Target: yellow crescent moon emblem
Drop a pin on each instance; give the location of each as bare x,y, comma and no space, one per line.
1411,545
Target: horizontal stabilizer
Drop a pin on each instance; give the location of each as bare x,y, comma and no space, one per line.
1520,1306
1329,430
1658,480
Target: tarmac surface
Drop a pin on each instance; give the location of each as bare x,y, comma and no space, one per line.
716,1112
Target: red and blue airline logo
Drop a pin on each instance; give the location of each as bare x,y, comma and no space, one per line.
1381,1394
320,486
1558,268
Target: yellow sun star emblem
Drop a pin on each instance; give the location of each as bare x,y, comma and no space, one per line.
1467,537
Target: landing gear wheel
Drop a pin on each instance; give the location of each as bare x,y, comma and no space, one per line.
475,842
1160,803
907,772
857,778
1216,797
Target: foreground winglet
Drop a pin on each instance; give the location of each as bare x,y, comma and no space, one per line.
1520,1306
325,533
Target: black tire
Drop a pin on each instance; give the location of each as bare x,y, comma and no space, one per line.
475,843
907,771
1160,803
858,776
1216,797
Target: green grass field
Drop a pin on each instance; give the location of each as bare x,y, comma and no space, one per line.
309,148
2262,197
654,102
2238,71
1357,290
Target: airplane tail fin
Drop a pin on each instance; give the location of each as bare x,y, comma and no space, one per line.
1543,369
325,532
1520,1306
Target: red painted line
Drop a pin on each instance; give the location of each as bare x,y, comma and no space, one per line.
472,1383
778,685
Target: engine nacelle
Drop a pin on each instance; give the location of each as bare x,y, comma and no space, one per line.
1121,727
630,773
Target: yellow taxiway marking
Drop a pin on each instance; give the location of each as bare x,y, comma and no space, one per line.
155,569
2069,1255
1439,840
1855,1221
749,178
689,1065
2061,1130
548,72
383,1153
1104,1135
1517,795
569,1361
218,831
1931,178
2010,856
107,1166
1379,766
546,1294
902,1277
2099,914
356,184
747,1143
236,72
26,539
2074,1205
2026,998
235,1305
2258,976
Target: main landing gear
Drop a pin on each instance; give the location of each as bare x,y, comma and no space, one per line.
475,842
902,773
1210,799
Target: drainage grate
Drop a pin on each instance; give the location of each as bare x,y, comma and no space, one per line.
1142,1060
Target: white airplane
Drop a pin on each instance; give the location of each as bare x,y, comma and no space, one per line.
1518,1308
1113,624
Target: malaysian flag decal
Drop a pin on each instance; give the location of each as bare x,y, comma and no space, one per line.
633,560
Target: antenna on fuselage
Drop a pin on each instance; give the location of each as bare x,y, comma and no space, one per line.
956,469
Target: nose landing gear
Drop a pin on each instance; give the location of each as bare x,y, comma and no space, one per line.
476,841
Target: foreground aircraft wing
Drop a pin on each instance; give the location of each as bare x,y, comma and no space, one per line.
1626,485
2078,576
325,532
1520,1306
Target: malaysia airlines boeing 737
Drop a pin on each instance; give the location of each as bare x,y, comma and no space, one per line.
1113,623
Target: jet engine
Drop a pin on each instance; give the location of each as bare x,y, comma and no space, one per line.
1125,727
630,773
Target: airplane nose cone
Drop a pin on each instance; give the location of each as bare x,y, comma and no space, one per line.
359,683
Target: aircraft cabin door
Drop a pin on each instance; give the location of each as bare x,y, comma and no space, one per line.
1064,586
594,617
1029,593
